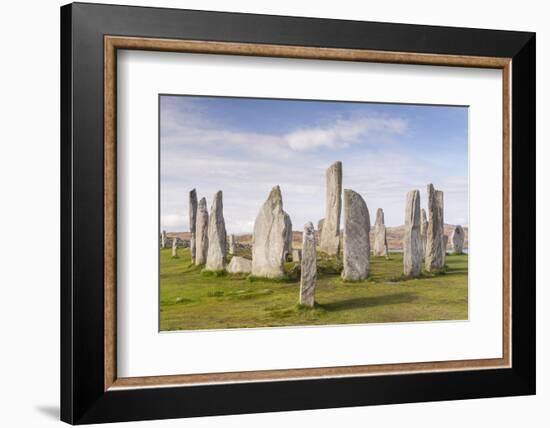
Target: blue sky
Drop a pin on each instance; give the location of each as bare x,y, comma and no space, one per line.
245,146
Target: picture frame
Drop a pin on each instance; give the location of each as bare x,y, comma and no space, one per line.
91,391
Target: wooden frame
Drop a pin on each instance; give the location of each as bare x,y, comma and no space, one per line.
513,53
112,43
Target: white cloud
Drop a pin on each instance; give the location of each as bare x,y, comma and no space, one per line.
342,133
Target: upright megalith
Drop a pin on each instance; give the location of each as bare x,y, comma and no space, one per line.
308,266
201,233
444,243
457,239
320,229
192,222
288,237
174,247
163,240
434,252
231,244
412,244
423,229
356,242
270,237
380,247
217,237
330,235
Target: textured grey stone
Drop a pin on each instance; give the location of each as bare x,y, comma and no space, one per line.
192,222
444,243
423,229
308,266
288,237
457,240
434,251
270,237
239,265
296,255
174,247
380,245
217,238
356,237
412,244
201,241
320,228
330,236
231,244
163,240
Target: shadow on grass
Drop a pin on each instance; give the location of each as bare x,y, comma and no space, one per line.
365,302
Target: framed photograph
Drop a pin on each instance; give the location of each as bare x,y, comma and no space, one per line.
266,213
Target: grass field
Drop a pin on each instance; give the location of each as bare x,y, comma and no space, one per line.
191,300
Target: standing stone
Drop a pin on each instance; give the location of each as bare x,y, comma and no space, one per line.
308,266
444,242
320,229
174,247
380,238
330,235
288,237
412,244
270,237
457,240
192,222
434,251
296,255
217,237
239,265
356,242
163,240
423,230
231,244
201,247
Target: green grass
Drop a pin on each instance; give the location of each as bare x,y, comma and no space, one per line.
191,299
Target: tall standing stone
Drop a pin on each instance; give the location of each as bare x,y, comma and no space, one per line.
174,247
434,251
320,229
288,237
380,238
356,242
231,244
308,266
201,230
192,222
423,230
163,240
330,236
270,237
457,240
412,244
217,237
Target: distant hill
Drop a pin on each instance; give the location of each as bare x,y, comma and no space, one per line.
394,235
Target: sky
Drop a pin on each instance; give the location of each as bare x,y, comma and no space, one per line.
246,146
